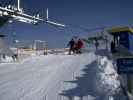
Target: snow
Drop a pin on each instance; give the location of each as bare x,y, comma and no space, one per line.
60,77
108,75
8,59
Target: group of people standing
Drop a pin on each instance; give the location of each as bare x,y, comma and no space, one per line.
75,46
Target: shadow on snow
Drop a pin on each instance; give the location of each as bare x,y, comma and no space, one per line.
85,85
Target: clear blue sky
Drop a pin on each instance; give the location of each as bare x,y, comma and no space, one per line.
86,13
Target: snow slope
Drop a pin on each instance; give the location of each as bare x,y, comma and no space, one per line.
60,77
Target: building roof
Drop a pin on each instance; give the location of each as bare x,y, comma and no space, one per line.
120,29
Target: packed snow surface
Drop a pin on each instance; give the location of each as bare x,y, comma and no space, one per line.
60,77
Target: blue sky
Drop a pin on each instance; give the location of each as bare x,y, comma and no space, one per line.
86,13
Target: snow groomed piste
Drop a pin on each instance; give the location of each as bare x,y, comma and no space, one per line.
60,77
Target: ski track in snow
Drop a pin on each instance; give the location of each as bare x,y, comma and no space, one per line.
45,77
40,77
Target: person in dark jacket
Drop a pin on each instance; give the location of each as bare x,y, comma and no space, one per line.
112,47
71,45
96,44
15,57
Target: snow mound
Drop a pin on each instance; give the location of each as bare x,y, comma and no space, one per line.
107,76
7,59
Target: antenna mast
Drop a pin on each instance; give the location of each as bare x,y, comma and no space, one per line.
47,14
18,5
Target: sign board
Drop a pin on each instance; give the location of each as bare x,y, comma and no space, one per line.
124,40
125,65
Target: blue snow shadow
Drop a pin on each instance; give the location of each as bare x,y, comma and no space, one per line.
104,52
85,84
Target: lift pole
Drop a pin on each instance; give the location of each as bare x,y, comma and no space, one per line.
18,5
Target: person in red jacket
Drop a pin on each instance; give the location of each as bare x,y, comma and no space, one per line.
78,46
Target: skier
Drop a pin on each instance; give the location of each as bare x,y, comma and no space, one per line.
71,45
15,57
96,44
112,47
4,56
78,46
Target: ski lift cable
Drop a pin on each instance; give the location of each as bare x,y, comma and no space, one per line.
72,26
76,26
85,29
